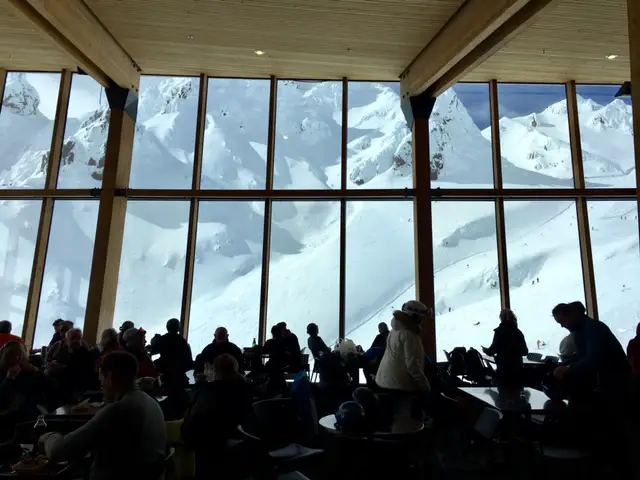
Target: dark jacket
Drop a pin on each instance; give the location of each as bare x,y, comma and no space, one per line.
55,338
508,348
317,346
292,346
380,341
213,350
22,394
80,368
175,353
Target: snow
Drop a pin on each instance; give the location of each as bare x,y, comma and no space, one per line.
542,243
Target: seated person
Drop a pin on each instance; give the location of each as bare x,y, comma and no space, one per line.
381,339
568,348
175,354
22,388
220,345
72,365
275,348
215,413
134,340
5,333
108,343
291,346
129,427
63,327
315,342
123,328
56,331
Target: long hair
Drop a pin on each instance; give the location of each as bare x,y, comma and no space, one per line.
507,315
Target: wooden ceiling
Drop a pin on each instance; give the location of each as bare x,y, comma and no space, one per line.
360,39
570,41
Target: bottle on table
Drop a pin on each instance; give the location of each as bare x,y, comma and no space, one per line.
254,344
39,429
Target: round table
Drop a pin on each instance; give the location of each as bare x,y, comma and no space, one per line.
401,425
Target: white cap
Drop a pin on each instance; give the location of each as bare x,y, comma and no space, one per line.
415,308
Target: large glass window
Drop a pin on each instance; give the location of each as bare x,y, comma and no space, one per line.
467,283
26,128
304,271
165,132
228,272
606,133
19,221
616,262
545,267
152,264
308,135
68,267
379,151
380,266
85,135
534,136
236,131
460,138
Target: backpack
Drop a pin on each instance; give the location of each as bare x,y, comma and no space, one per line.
457,363
475,366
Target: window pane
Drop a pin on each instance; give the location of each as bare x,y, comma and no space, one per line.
152,265
545,267
85,135
66,276
235,141
606,133
228,272
460,138
165,132
26,128
304,269
379,142
19,221
616,262
466,273
534,136
380,267
308,135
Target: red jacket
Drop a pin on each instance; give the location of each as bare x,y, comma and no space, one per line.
633,353
7,337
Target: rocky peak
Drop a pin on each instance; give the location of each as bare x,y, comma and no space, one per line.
20,97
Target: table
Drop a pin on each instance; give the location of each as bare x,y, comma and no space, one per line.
507,400
525,361
68,412
402,425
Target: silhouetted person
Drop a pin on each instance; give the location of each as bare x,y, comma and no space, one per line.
123,328
72,365
134,340
56,331
5,333
508,348
220,345
292,346
315,342
61,329
108,343
633,354
381,339
175,353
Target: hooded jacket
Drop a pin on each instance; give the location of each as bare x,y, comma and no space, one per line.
402,366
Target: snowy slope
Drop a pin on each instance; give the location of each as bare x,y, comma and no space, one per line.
544,265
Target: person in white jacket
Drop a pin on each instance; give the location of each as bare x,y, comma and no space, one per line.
402,366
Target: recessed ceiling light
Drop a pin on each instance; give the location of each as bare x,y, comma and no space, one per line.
259,52
190,37
612,56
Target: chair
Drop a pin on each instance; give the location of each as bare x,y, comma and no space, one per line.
304,362
551,360
534,357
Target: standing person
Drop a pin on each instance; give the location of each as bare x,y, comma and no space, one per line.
135,340
508,348
130,428
402,365
5,333
220,345
315,342
633,354
175,354
381,339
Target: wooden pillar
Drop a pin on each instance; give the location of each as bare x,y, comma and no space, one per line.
633,14
582,211
107,249
192,234
46,211
420,108
268,208
501,236
3,81
343,211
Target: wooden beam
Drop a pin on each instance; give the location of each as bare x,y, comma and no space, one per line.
501,235
477,30
3,81
633,14
46,212
422,221
76,30
107,250
584,232
268,209
194,208
342,304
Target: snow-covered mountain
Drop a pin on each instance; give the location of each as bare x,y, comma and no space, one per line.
544,262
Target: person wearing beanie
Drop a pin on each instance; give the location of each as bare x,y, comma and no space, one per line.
402,365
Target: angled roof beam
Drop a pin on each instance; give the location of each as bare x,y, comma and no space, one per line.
75,28
477,30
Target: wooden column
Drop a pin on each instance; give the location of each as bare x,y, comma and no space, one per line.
192,234
268,208
501,236
3,81
422,221
46,212
584,232
107,250
633,14
343,211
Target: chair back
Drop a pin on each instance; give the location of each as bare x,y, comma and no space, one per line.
274,421
488,422
534,357
551,359
304,362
